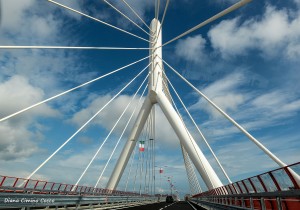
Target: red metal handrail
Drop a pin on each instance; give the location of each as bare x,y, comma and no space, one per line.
260,196
235,188
9,183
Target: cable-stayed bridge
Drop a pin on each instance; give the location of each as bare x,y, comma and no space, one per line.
276,189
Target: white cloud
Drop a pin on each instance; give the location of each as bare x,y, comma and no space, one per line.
224,93
275,33
277,104
16,144
230,41
12,13
293,50
191,49
43,26
37,23
297,2
19,89
28,21
259,110
17,140
29,76
111,113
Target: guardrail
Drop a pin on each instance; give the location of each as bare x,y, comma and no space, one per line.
276,189
14,200
20,192
9,184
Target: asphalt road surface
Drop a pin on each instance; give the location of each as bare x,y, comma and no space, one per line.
182,205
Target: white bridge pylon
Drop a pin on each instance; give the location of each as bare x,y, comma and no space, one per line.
156,95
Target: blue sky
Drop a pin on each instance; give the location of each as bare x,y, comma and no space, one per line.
247,62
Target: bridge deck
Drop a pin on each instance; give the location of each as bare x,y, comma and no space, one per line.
182,205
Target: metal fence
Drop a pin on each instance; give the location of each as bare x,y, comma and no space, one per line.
20,192
276,189
10,184
16,200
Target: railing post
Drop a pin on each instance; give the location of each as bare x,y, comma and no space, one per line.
3,179
80,189
262,183
15,182
242,202
241,191
279,206
65,187
262,204
85,189
37,182
245,186
26,183
59,187
233,187
44,185
224,190
230,190
251,203
71,189
275,181
253,186
52,186
76,187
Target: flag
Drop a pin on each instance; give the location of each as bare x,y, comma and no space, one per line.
142,146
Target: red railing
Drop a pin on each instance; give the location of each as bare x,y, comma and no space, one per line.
261,191
10,184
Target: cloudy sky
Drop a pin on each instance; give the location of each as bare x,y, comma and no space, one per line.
246,62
